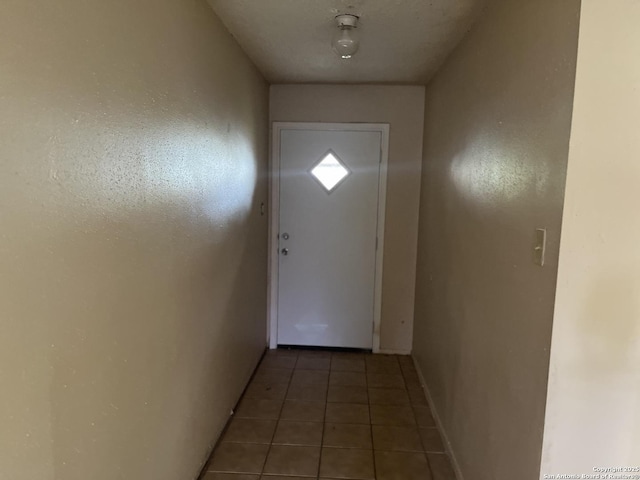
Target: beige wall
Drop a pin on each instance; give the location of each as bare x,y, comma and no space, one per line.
132,251
402,108
593,406
497,120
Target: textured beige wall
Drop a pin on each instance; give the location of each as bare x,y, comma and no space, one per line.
593,406
497,120
402,107
132,251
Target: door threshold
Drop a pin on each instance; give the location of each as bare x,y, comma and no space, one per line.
324,349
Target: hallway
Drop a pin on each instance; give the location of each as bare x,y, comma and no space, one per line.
188,189
331,415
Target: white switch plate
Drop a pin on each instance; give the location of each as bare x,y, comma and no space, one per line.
540,246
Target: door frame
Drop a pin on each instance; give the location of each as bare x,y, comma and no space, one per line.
274,210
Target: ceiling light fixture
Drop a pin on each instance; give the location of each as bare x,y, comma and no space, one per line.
345,42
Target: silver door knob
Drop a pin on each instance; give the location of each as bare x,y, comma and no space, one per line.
285,236
285,251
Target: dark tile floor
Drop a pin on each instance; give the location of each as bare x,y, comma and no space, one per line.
329,415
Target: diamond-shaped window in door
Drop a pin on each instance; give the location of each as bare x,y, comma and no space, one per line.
330,172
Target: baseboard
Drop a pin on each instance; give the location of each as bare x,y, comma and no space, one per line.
436,417
393,352
203,468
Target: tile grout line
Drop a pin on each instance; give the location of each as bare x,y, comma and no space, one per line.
264,464
418,427
373,451
324,419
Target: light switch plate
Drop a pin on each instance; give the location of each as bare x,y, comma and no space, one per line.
540,246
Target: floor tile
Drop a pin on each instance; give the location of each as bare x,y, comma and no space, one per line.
238,458
347,436
306,377
345,364
309,392
378,422
298,433
347,394
401,466
354,379
298,410
407,366
348,463
282,352
406,361
385,380
411,379
441,467
403,439
311,363
382,358
283,477
423,416
280,361
293,460
259,408
358,355
382,364
431,440
347,413
390,367
273,375
250,430
416,395
392,415
388,396
229,476
266,390
314,354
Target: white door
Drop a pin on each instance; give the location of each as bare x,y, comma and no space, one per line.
327,227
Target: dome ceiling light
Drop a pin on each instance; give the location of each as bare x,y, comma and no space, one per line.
345,42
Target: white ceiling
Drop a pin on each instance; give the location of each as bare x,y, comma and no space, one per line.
401,41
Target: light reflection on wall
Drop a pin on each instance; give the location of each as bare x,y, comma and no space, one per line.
487,170
214,172
232,180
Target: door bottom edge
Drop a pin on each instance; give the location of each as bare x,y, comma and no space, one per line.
324,348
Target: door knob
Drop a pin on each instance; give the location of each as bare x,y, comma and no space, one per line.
285,236
285,251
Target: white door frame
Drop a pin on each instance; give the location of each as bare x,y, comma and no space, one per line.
274,209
